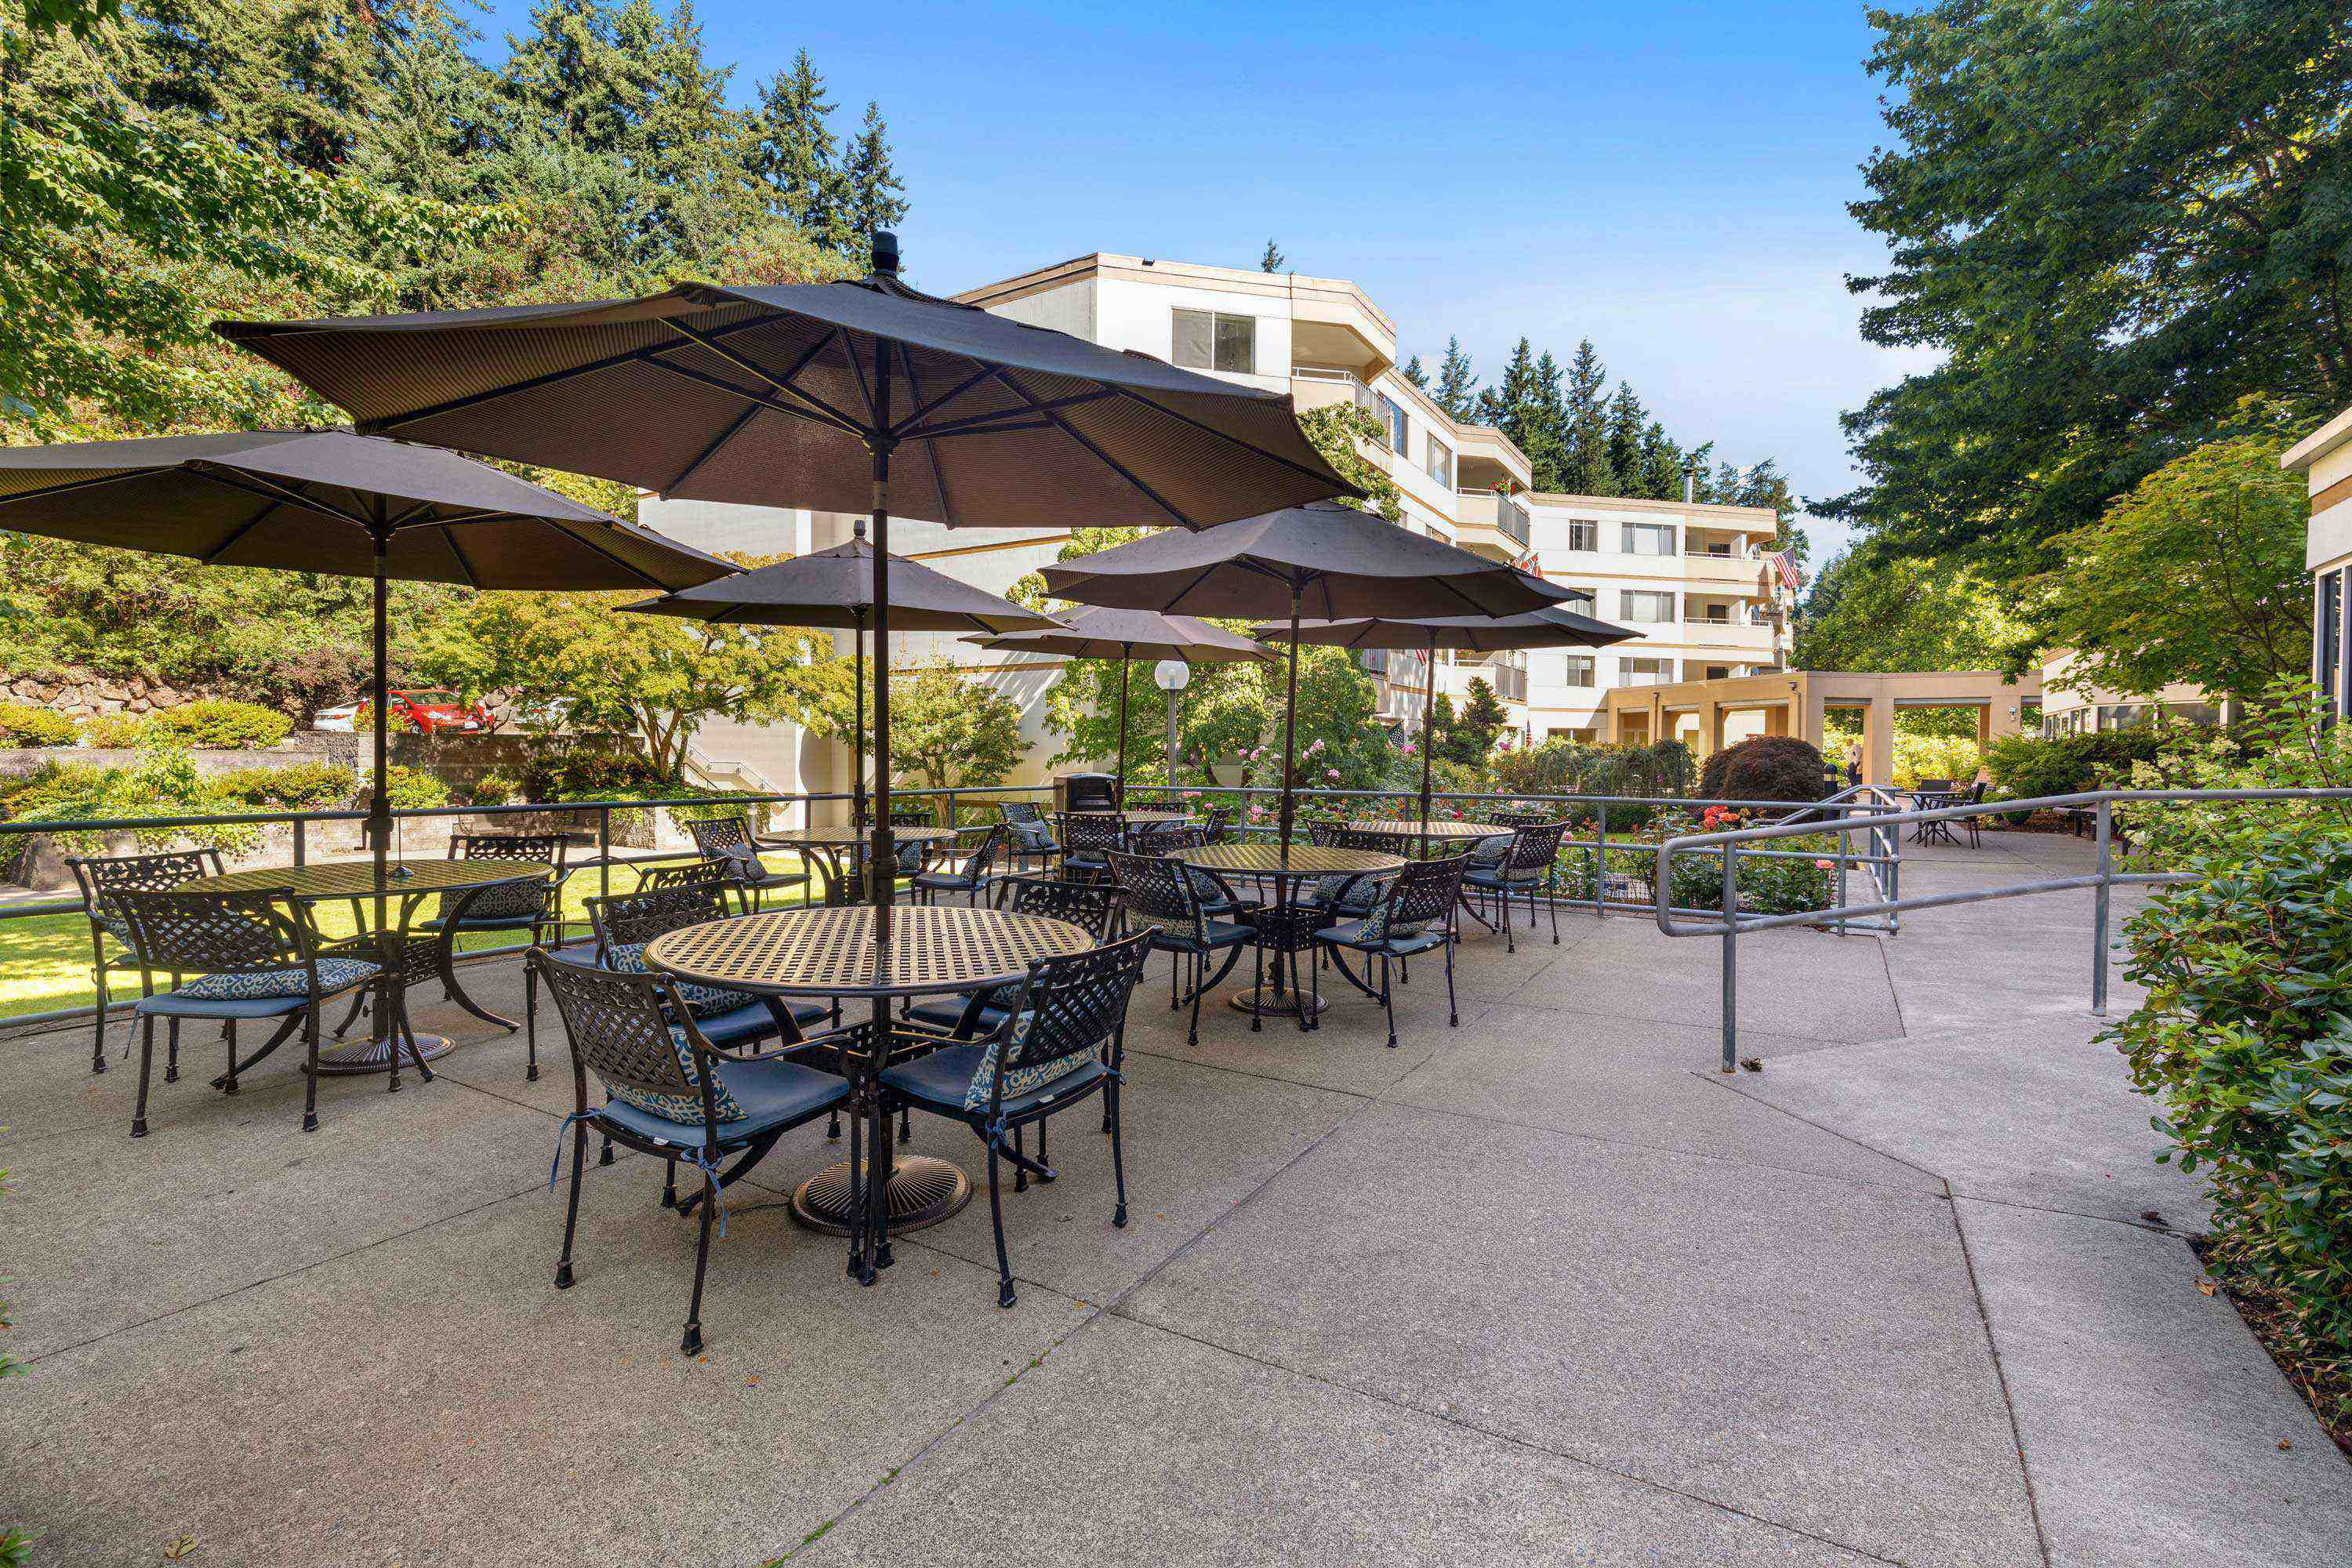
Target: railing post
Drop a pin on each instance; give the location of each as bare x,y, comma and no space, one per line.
1601,864
302,842
1731,957
604,851
2099,909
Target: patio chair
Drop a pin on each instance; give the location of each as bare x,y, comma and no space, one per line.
670,1093
624,922
1414,914
1975,825
1157,893
1217,824
1088,840
529,905
425,951
728,839
687,874
254,961
1031,837
101,876
1094,906
1527,871
1351,895
1065,1040
1515,819
967,877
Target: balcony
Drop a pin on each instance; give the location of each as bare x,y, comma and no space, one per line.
1744,573
1728,631
1492,524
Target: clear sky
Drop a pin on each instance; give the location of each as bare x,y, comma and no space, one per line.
1668,179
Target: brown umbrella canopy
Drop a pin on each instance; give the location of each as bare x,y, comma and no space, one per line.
777,395
313,500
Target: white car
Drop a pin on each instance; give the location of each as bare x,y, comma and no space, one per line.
340,720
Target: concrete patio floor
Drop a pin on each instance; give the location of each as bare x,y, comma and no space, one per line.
1542,1289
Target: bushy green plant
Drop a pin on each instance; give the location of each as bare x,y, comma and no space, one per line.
162,782
1767,885
2024,767
296,787
23,724
496,786
1917,757
412,789
1767,767
590,771
220,721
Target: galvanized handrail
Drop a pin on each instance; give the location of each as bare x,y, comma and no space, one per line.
1727,923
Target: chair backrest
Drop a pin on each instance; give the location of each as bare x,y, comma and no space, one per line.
717,838
1158,892
631,919
1092,832
1935,783
984,855
1168,837
1091,905
1020,811
101,876
1424,893
547,846
686,873
1534,848
1070,1005
1364,838
1322,834
621,1033
212,933
1517,818
1215,822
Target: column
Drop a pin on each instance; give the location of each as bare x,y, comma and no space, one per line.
1878,741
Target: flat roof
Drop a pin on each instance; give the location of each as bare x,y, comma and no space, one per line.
2299,457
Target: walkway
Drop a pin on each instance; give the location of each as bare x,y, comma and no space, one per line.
1543,1289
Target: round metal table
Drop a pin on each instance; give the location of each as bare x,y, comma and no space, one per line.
932,950
1273,863
1141,815
355,882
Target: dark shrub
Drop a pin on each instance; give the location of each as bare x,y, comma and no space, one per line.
1769,767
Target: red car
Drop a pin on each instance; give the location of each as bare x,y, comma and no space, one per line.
430,712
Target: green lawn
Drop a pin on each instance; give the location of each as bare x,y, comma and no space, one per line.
45,960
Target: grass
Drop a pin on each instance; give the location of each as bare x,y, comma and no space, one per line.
45,959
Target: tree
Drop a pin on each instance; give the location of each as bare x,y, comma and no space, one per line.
1414,373
875,196
1627,421
2111,221
1863,613
1272,259
1584,466
795,154
1477,725
1525,406
1457,389
2195,576
947,728
1335,430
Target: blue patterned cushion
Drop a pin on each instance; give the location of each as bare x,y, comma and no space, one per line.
116,926
512,901
268,984
1033,838
1350,889
702,1001
1379,924
1490,851
1021,1080
1206,888
686,1107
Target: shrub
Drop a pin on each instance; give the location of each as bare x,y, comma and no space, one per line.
2024,766
1766,886
577,772
1769,767
496,787
217,723
411,789
296,787
161,782
1920,757
22,724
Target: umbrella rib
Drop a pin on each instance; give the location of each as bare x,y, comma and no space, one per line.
979,424
528,383
456,551
757,399
1104,457
753,368
289,496
1299,469
1475,607
931,447
635,569
247,526
953,393
72,485
712,451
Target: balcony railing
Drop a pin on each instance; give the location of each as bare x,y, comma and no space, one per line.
1491,509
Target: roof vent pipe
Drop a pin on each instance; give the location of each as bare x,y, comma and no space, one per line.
1690,486
886,253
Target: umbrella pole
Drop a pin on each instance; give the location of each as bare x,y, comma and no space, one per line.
857,725
1428,723
1290,725
1118,791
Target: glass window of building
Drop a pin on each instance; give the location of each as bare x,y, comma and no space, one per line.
1578,670
1645,671
1583,533
1441,462
2327,638
1400,428
1645,608
1646,538
1211,339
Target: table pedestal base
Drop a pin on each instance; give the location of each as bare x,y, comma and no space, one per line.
1268,1003
922,1191
343,1057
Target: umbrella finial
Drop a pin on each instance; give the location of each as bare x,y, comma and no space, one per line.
886,253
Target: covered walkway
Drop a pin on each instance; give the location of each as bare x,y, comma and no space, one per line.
1711,714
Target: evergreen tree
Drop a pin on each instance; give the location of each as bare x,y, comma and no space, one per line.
1272,259
1517,406
1475,727
1414,373
1661,465
1627,421
793,149
1584,427
1457,389
875,196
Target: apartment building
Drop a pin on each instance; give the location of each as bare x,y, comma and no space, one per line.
2324,459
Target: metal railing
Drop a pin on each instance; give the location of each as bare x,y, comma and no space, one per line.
1727,923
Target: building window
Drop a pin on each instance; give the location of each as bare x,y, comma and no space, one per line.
1642,608
1646,538
1645,671
1583,533
1583,601
1578,670
2327,640
1210,340
1393,415
1441,462
1718,672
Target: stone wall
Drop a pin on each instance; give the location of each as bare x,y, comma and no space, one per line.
81,694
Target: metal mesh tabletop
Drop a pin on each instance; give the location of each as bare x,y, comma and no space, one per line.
831,952
1141,815
357,879
1269,860
1433,828
847,838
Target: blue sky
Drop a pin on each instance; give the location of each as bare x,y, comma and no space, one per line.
1667,179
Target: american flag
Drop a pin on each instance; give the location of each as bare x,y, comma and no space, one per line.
1785,567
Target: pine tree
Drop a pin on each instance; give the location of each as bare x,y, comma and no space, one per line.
1414,373
1457,389
1627,420
1525,405
794,152
1272,259
1662,465
1475,729
877,197
1584,427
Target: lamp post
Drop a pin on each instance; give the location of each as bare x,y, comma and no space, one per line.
1173,675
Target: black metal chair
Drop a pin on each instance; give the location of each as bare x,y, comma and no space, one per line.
1093,906
1217,824
1088,840
254,961
1975,825
1527,872
728,839
526,905
1515,819
1030,837
968,876
428,950
100,876
1351,895
671,1094
624,922
1063,1041
1414,914
1159,894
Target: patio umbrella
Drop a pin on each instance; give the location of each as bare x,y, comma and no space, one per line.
1549,628
1338,561
835,588
824,395
1127,635
335,502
